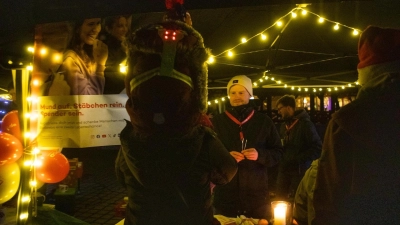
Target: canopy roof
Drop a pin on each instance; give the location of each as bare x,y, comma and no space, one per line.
300,53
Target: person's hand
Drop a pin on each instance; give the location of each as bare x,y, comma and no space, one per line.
237,155
250,154
100,52
59,86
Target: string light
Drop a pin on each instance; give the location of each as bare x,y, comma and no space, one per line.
279,23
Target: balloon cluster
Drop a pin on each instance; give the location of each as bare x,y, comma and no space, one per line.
53,167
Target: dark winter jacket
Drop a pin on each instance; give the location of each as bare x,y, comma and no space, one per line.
302,143
303,210
168,175
358,180
247,193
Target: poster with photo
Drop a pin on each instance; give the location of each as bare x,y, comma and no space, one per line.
77,65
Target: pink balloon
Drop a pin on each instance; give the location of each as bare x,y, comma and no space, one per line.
54,168
11,148
10,124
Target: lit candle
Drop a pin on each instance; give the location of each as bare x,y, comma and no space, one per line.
280,214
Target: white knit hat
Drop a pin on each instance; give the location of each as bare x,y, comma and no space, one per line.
241,80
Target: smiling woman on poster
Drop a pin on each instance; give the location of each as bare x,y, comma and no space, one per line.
85,58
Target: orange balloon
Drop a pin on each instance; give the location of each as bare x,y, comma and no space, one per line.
11,149
54,168
10,124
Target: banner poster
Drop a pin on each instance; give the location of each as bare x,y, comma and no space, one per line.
78,77
81,120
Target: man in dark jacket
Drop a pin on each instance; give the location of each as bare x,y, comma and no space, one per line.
358,179
301,144
252,139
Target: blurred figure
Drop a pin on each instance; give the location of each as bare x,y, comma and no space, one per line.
252,139
168,159
303,210
358,179
85,59
301,144
116,29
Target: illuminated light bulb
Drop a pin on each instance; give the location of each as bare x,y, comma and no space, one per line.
23,216
31,49
294,15
209,103
36,150
261,80
336,27
29,99
329,89
57,57
320,89
26,198
342,87
27,163
285,85
321,20
230,53
355,32
349,85
211,59
272,78
299,89
314,90
357,83
279,23
244,40
335,88
27,134
306,89
30,67
33,183
27,115
303,12
20,63
122,68
266,78
35,82
292,88
223,99
255,84
216,101
43,51
263,37
278,82
10,62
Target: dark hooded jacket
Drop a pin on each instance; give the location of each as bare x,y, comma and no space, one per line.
247,194
168,175
302,143
358,179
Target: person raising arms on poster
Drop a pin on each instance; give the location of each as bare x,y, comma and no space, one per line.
85,59
116,28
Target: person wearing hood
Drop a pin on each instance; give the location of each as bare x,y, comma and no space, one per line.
168,156
301,144
252,139
358,179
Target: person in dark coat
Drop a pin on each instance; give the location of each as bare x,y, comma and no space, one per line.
252,139
169,157
358,179
303,210
301,144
